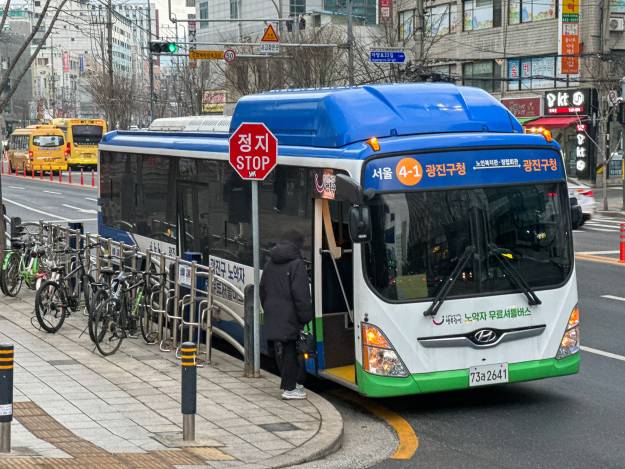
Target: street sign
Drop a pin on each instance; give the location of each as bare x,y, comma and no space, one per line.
230,55
253,155
270,43
387,56
206,55
253,151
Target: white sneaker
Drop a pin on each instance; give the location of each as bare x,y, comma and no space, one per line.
294,394
299,387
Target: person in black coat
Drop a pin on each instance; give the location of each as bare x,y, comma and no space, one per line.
286,301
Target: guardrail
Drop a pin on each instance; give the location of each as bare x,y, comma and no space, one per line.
186,298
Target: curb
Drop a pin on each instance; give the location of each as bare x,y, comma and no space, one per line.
326,441
611,213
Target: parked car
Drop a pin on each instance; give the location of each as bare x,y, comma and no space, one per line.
577,216
585,198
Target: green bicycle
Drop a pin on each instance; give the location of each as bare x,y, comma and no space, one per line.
21,264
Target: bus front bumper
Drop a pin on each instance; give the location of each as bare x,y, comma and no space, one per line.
381,386
49,167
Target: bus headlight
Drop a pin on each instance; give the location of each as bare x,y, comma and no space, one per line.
570,341
378,355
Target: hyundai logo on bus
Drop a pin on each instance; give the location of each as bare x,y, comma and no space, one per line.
253,151
485,336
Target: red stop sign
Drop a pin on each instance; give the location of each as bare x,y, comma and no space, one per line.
253,151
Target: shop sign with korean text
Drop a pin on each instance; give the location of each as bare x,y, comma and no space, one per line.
568,37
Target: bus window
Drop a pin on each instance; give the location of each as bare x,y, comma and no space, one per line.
48,140
86,134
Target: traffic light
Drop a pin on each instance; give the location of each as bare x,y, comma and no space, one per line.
159,47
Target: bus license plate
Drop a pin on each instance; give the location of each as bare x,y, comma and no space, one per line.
488,374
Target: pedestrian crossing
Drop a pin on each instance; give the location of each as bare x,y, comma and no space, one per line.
602,224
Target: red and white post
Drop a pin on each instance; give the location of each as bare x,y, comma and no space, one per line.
622,244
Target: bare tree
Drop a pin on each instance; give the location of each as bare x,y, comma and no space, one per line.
118,101
10,81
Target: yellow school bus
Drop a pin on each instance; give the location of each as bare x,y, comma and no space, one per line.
37,147
81,140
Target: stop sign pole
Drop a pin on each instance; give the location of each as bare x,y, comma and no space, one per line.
253,155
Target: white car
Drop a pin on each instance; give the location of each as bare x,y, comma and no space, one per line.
584,195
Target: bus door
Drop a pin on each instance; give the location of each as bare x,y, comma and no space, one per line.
334,293
193,200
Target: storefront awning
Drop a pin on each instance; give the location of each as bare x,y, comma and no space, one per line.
553,122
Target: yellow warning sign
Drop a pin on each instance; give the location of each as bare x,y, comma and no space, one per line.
270,35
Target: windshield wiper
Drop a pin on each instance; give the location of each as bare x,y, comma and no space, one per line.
442,294
500,254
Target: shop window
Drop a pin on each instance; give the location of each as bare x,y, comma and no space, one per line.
234,9
406,24
481,14
297,7
525,11
485,74
440,20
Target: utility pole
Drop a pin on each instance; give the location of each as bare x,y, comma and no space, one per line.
621,104
603,101
350,41
53,82
150,63
109,50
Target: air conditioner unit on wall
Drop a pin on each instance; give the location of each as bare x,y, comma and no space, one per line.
617,24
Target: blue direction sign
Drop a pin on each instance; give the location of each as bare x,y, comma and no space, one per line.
387,56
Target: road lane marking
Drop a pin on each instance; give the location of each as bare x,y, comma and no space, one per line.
48,214
89,198
592,258
612,297
408,440
592,228
82,210
53,192
602,353
599,252
592,225
16,187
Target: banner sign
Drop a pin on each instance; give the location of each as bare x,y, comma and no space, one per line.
523,107
65,62
458,169
568,37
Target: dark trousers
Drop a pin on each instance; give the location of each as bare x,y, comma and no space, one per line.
291,365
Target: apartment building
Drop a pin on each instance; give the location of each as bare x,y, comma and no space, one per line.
514,49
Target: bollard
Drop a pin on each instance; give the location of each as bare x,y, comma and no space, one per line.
51,174
60,175
92,178
16,173
248,331
69,172
32,172
41,173
24,170
622,244
82,177
188,398
6,396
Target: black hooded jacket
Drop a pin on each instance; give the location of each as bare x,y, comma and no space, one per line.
285,293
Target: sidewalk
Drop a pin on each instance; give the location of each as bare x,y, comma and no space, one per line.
74,408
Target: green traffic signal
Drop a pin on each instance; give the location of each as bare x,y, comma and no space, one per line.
172,47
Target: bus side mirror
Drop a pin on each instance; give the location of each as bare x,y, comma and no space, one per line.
360,224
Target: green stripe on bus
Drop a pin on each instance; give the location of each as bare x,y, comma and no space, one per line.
440,381
319,329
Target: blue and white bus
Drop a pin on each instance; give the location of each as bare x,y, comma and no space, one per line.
438,234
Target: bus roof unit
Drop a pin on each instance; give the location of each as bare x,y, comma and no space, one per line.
333,118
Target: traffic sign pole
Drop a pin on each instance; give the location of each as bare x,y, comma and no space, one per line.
256,249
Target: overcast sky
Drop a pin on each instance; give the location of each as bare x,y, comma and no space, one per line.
177,6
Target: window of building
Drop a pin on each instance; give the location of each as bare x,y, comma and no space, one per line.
485,74
406,24
297,7
203,14
442,73
524,11
234,9
439,20
364,11
481,14
532,73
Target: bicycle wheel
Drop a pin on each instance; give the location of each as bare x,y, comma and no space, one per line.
144,313
100,297
89,289
11,277
50,307
107,330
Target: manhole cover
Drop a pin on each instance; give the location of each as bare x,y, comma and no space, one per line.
279,427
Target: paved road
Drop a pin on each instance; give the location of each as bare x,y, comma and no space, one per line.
35,200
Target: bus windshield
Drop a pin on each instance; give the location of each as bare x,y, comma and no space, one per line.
86,134
47,140
419,237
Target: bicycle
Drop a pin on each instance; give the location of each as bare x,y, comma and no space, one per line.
22,263
56,298
117,314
